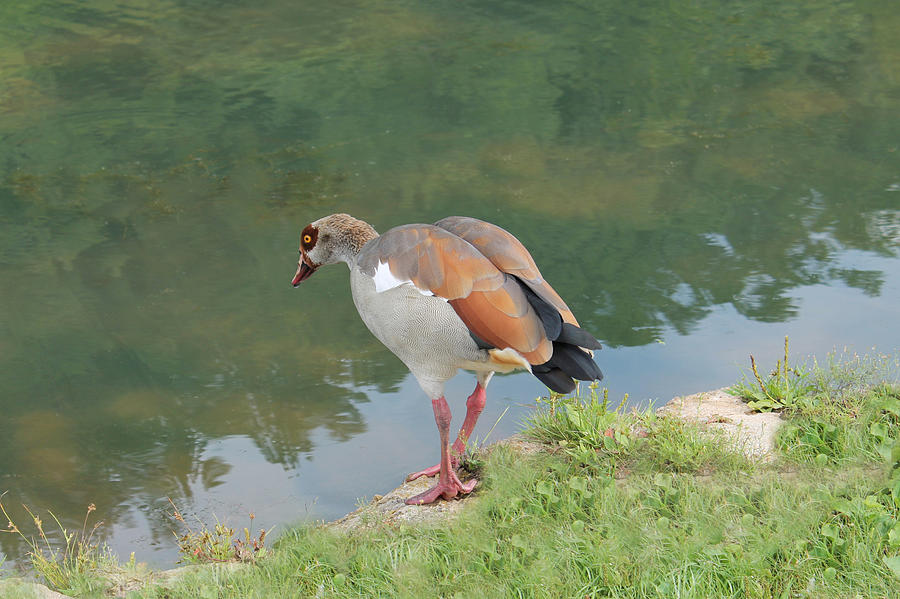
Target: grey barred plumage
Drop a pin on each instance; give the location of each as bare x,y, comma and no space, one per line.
461,293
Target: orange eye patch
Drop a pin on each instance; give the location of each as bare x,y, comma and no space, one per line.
307,239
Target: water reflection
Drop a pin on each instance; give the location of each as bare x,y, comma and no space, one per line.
708,177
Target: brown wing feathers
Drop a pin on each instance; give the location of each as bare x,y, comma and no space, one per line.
493,284
496,244
489,302
432,259
508,254
504,318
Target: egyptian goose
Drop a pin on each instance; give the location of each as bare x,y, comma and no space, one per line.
460,293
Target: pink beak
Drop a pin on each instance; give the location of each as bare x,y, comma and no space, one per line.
304,271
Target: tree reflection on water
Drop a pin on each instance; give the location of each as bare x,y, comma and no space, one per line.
158,160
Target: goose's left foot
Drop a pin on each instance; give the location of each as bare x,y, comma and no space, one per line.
447,489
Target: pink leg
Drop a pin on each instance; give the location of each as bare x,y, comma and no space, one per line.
474,406
449,485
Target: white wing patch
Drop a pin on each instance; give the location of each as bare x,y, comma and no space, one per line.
385,280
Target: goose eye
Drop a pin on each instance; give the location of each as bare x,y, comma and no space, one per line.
307,238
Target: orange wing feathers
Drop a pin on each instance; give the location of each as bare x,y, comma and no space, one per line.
504,318
489,302
508,254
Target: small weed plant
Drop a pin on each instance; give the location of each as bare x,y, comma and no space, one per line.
840,383
473,458
837,412
75,564
616,441
219,544
784,388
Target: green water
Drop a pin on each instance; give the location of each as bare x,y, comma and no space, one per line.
697,179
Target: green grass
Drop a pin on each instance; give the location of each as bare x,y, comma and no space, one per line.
632,505
784,388
78,566
546,528
857,431
799,389
627,505
843,412
615,442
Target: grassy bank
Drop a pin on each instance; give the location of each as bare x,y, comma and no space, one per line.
561,523
636,505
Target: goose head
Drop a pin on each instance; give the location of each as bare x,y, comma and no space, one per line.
329,240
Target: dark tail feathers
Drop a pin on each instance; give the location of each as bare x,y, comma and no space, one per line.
569,361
